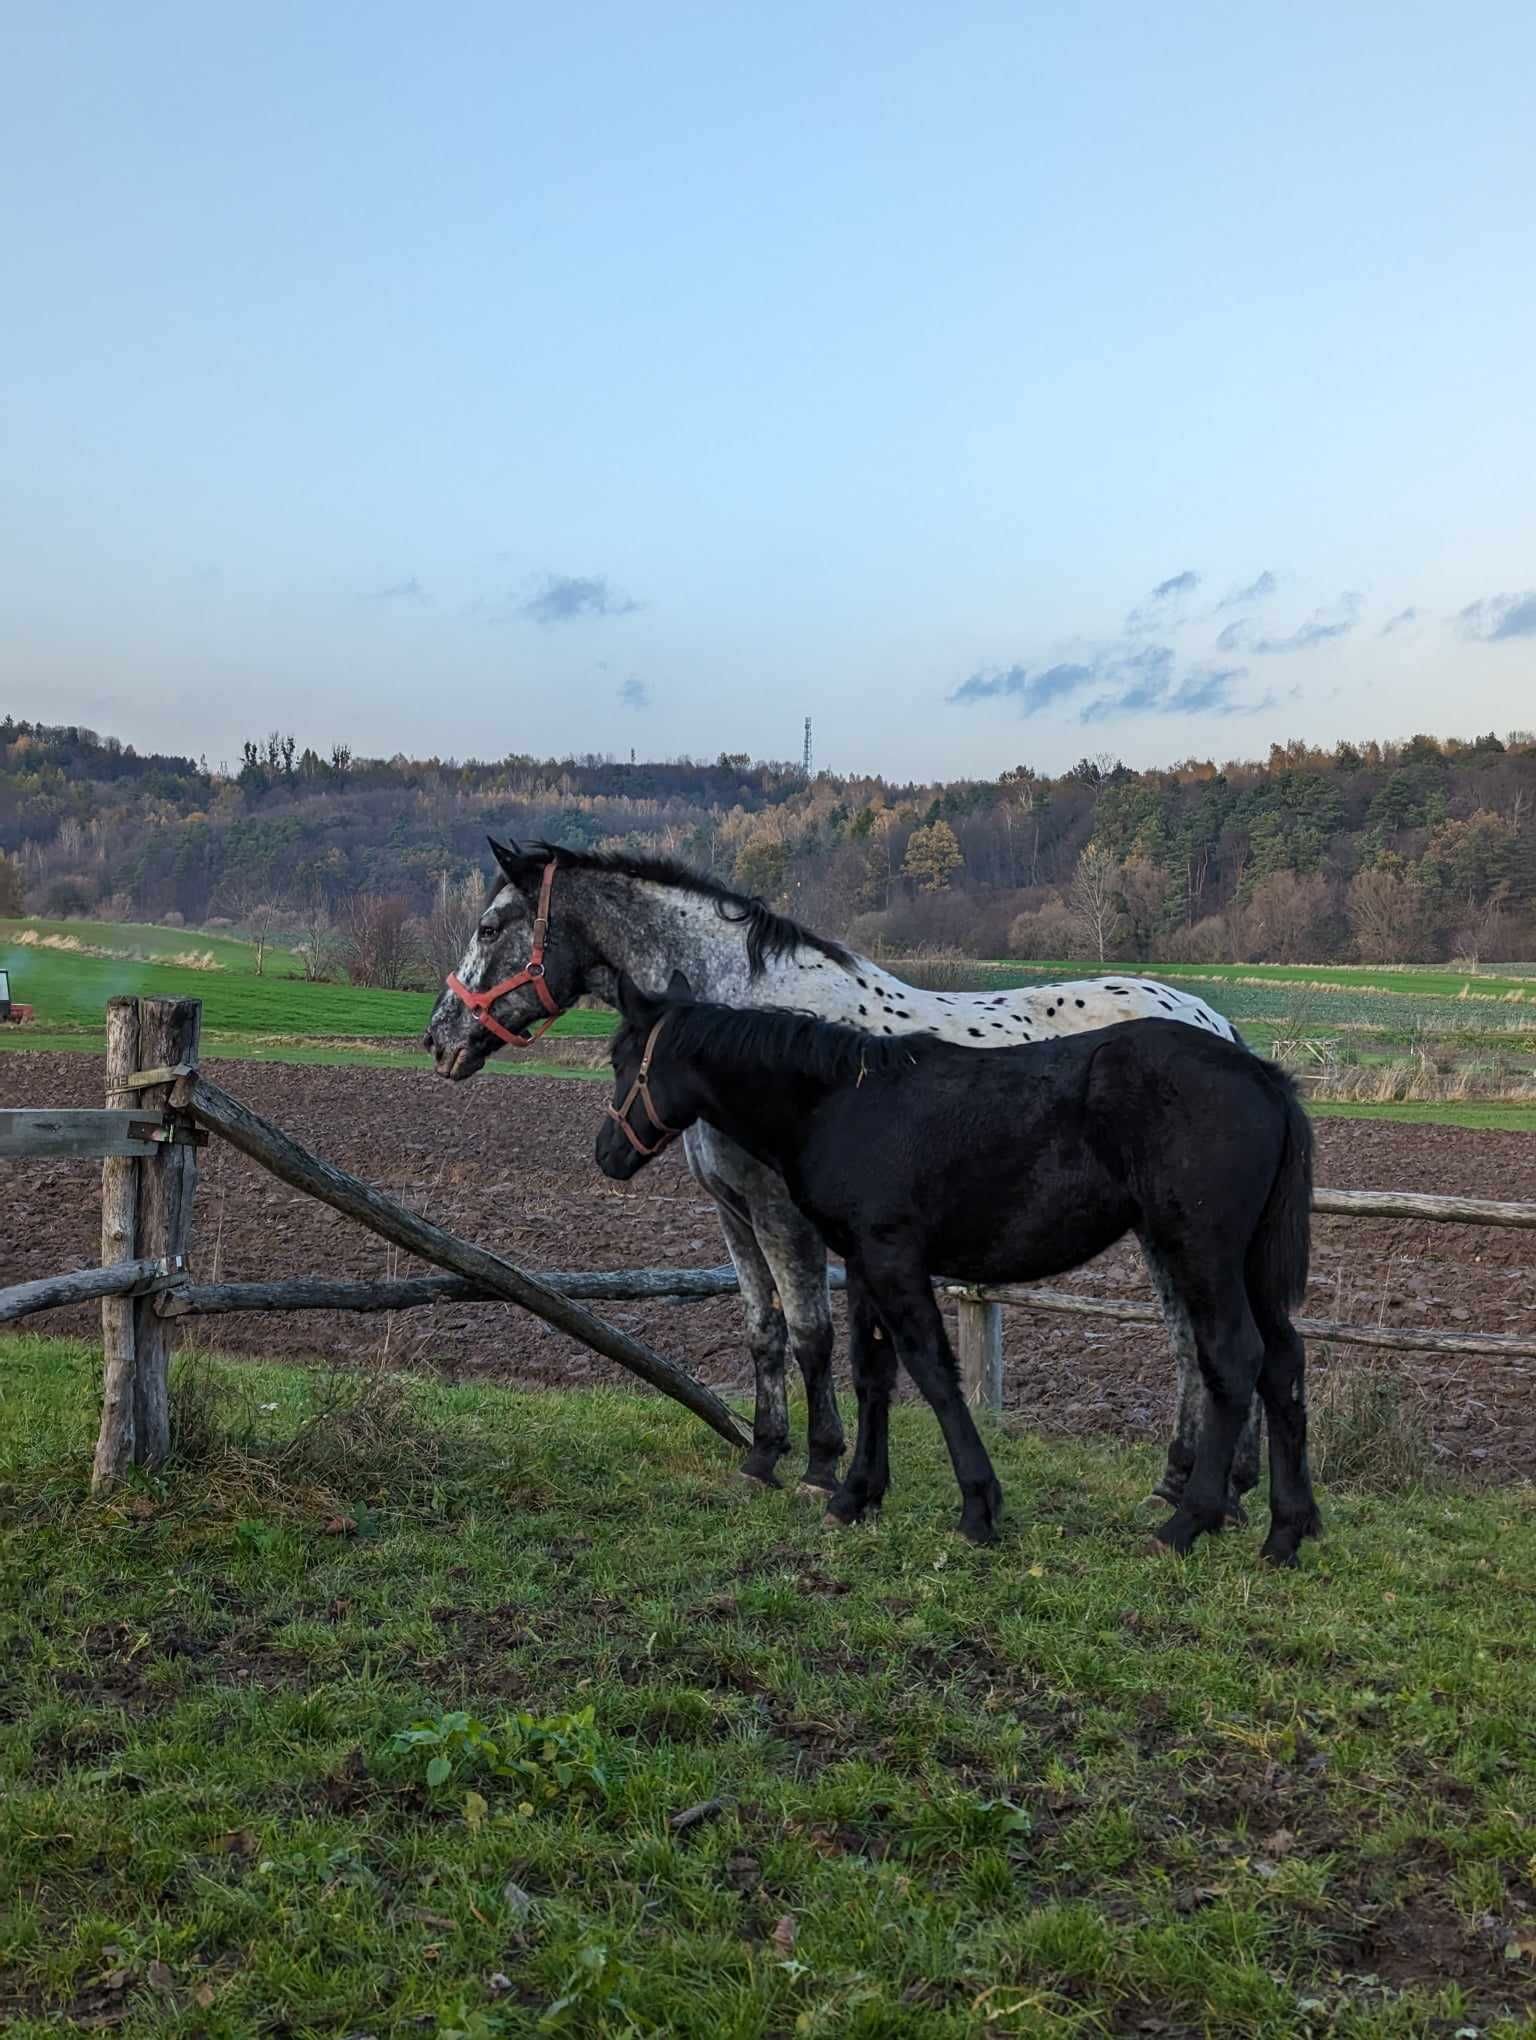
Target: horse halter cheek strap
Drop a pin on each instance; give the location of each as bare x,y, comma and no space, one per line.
480,1003
641,1089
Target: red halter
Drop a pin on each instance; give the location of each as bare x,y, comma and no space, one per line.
480,1003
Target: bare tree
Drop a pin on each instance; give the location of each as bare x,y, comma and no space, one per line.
1385,915
452,921
319,945
1094,898
253,904
380,941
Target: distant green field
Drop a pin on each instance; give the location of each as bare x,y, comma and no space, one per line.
1375,1014
150,941
1514,983
69,990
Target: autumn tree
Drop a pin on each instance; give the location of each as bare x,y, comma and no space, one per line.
13,894
933,856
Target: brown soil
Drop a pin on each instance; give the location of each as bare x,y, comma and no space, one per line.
509,1163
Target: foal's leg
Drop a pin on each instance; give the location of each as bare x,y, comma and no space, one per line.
1230,1350
904,1296
872,1356
1191,1404
795,1253
722,1168
765,1341
1293,1510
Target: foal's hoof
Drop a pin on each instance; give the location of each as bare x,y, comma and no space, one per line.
1178,1534
816,1490
757,1479
866,1519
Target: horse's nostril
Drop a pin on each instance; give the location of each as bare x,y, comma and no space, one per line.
427,1042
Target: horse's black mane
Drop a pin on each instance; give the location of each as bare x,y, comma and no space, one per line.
764,1040
769,935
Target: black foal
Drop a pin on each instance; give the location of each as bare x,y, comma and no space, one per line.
913,1157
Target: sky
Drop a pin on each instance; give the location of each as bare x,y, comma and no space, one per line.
993,384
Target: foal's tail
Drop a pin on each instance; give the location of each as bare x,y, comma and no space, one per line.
1281,1249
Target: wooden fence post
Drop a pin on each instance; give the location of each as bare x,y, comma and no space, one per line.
169,1033
981,1353
119,1242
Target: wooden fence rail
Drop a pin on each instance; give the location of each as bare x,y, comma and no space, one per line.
160,1110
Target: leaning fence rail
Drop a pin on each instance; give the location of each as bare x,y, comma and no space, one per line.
160,1110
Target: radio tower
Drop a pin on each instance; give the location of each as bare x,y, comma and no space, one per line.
807,759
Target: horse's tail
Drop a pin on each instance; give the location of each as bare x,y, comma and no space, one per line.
1281,1250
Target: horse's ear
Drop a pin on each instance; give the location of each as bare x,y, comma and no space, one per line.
633,1003
679,990
508,856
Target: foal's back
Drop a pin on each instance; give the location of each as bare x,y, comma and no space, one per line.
1029,1161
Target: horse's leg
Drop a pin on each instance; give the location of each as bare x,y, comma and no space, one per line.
1230,1350
873,1359
904,1297
1293,1511
1191,1404
797,1257
710,1157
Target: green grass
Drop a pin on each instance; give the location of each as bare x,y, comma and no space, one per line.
1493,1114
231,952
70,991
1057,1788
1430,981
279,1018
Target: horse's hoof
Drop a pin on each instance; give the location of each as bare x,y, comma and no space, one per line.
763,1480
814,1491
1237,1515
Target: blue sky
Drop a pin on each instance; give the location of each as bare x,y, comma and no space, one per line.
992,383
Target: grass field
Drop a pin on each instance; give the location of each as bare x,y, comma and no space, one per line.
1057,1788
1366,1015
276,1016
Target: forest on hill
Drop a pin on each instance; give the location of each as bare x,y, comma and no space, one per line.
1377,852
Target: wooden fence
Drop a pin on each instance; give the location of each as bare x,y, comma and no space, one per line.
161,1110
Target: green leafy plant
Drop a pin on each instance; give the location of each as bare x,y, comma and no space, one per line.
595,1985
545,1758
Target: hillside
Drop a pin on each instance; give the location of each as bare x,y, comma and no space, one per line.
1380,852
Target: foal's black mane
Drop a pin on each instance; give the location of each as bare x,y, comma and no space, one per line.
764,1041
769,935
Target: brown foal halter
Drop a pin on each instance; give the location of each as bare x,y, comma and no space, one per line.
641,1089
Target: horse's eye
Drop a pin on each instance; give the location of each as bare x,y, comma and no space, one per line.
487,929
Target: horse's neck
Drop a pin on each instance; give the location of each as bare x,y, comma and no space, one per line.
650,930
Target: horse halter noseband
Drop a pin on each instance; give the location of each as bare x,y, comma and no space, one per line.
641,1089
480,1003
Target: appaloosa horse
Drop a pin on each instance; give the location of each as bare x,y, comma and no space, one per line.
911,1156
559,924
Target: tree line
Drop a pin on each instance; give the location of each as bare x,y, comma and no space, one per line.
1377,851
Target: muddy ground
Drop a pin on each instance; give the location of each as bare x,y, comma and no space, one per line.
509,1163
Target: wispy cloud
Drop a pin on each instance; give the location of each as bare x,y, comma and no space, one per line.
1205,691
1256,591
1336,621
1164,602
1032,690
568,598
1401,621
401,594
1497,618
635,694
